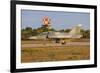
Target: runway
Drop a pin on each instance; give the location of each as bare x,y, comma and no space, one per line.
29,45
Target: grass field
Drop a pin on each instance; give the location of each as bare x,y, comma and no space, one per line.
44,54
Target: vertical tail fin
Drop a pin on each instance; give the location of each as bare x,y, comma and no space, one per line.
76,30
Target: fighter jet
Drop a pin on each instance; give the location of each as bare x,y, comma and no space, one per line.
58,36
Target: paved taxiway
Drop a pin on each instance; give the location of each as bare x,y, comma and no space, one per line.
28,45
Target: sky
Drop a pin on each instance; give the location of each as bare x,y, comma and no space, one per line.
59,20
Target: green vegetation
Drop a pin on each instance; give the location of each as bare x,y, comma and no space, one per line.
85,33
28,31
